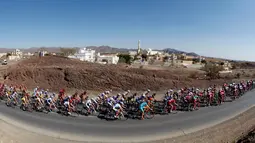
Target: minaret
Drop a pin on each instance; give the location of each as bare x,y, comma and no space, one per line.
139,48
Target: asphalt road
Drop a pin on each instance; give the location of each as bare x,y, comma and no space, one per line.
160,127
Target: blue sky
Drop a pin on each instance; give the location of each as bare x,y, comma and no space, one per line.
222,28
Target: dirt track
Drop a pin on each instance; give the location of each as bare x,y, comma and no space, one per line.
58,72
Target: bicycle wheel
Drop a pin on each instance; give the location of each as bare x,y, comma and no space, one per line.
74,114
191,107
123,117
22,107
149,115
8,103
29,108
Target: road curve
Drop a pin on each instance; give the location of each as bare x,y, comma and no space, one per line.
93,129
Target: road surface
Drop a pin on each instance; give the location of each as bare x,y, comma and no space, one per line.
94,129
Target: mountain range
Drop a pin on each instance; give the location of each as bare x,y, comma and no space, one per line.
101,49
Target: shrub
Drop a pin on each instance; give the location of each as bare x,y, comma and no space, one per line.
195,60
122,60
145,57
203,62
238,75
193,75
212,70
128,58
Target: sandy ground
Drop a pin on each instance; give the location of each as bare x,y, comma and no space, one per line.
226,132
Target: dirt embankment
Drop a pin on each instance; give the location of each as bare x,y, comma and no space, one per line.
58,72
249,138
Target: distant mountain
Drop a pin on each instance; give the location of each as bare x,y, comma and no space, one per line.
31,50
171,51
108,49
5,50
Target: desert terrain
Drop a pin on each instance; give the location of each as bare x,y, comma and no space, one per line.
54,73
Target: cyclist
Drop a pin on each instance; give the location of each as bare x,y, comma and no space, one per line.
104,95
172,103
39,101
140,98
14,96
146,93
116,97
125,94
107,93
110,101
83,97
88,104
94,103
142,106
131,98
68,103
61,95
118,108
221,94
50,102
152,97
195,101
210,96
24,100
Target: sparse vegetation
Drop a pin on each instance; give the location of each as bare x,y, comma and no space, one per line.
122,60
203,61
194,75
242,65
68,51
125,58
212,70
144,57
238,75
165,59
195,60
8,54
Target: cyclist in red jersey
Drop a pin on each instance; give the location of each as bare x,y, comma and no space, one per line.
172,103
61,95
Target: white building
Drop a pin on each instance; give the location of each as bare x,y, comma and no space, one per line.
132,53
107,58
17,52
44,52
2,54
15,55
85,55
28,54
151,52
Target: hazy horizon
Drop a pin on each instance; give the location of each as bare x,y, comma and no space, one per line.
219,28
